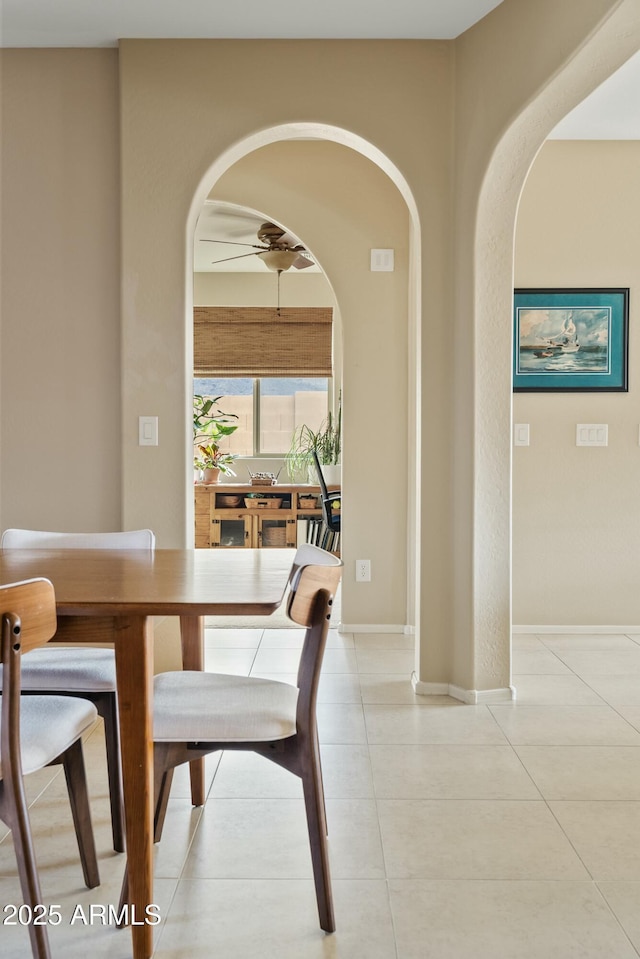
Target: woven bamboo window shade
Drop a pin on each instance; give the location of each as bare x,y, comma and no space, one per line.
255,341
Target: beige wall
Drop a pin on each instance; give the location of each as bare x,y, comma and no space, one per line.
60,293
576,510
259,289
459,123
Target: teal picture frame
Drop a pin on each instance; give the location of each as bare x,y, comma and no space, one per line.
571,340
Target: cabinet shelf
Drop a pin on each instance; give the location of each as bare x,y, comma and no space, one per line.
225,517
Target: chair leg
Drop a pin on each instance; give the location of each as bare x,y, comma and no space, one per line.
324,804
316,825
74,771
124,898
162,800
163,777
16,814
107,707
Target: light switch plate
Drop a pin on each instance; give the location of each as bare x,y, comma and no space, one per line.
147,431
382,261
592,434
520,434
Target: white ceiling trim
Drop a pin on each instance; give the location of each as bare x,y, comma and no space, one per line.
100,23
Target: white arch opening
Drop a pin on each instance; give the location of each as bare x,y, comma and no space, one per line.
314,131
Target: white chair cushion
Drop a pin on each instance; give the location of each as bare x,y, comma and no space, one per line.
48,726
212,707
71,668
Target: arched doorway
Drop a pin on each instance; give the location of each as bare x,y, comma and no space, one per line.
483,521
340,224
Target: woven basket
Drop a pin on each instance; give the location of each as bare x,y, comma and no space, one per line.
228,499
307,502
274,536
266,503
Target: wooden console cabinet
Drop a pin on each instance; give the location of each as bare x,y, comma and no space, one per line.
235,516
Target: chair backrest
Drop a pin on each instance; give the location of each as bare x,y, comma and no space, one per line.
331,521
43,539
32,605
312,592
323,485
307,583
27,620
309,555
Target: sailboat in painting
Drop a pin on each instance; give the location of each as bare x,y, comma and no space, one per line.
567,338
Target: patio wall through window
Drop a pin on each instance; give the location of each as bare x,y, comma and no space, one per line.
269,409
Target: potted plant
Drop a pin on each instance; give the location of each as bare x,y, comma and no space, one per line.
213,461
326,441
210,426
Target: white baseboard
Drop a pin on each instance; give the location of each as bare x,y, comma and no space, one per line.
371,628
569,630
472,697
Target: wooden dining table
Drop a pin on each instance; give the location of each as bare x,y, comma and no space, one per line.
112,596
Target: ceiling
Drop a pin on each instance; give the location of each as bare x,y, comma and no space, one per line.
99,23
611,112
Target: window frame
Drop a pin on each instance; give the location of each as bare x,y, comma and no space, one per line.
256,396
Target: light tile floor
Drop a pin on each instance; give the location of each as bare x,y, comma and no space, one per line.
456,832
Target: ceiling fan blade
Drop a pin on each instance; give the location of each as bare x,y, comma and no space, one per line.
204,239
302,262
291,241
241,256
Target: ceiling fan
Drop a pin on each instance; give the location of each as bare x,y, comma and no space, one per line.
279,250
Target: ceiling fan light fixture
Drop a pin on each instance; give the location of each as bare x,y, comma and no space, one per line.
278,260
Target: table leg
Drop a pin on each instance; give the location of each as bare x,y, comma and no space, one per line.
192,639
134,671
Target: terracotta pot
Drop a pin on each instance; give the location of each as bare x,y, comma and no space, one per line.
211,475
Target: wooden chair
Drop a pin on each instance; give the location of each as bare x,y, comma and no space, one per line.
309,555
38,731
78,671
331,519
199,713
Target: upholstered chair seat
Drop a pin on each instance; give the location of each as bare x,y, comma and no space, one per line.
246,708
49,725
69,668
87,672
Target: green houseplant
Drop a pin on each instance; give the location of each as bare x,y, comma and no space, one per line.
326,441
210,426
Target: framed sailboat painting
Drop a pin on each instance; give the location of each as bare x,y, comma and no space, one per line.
570,340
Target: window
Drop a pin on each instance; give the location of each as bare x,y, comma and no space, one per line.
270,368
269,409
